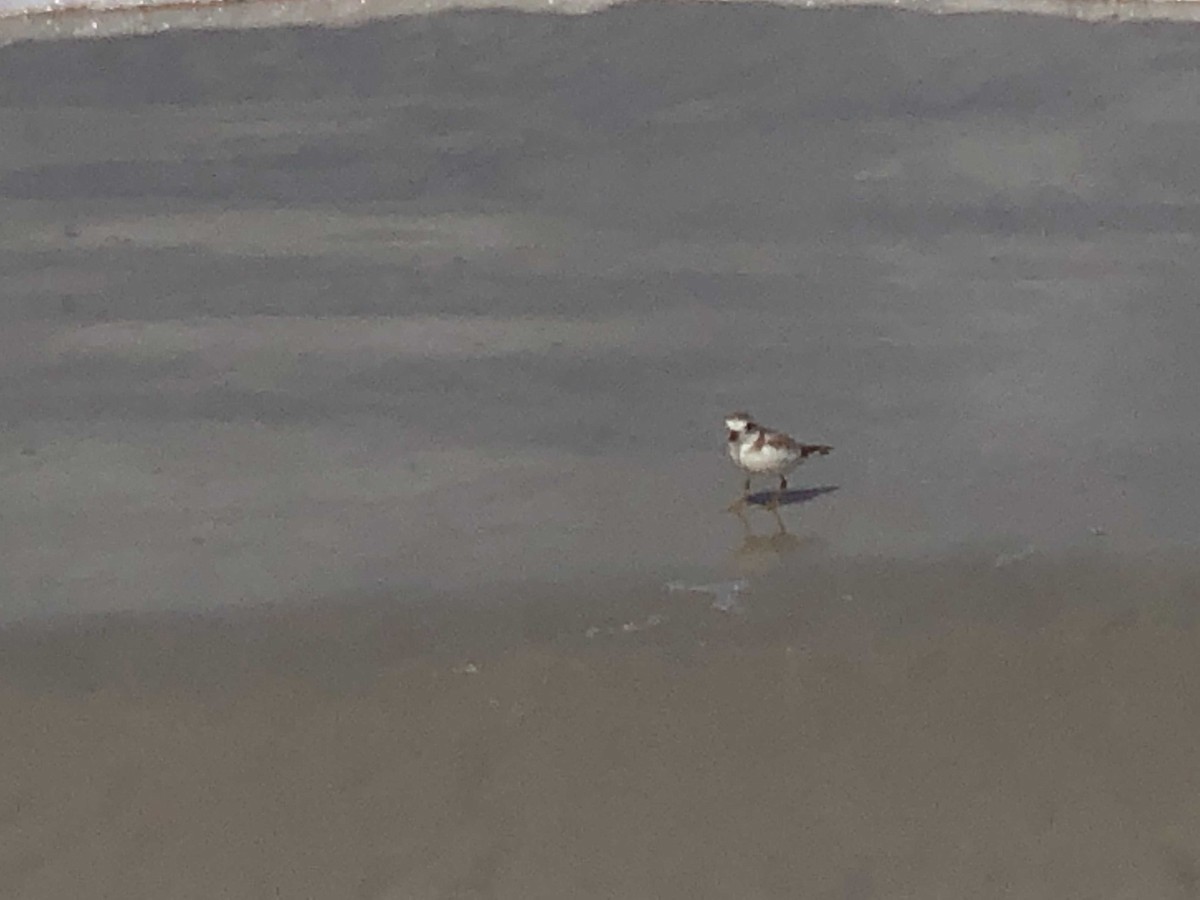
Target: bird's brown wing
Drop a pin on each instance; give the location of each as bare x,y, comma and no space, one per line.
805,450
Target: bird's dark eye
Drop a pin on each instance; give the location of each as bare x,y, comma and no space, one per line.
733,435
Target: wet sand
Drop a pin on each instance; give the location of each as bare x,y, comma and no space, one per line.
361,397
857,731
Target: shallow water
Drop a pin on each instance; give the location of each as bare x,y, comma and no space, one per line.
448,301
405,349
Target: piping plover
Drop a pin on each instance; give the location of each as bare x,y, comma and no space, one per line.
764,451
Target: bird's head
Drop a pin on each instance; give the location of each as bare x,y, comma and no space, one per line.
738,424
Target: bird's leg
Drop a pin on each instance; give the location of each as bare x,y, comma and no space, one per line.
746,487
778,498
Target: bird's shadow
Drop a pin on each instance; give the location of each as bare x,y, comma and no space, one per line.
790,497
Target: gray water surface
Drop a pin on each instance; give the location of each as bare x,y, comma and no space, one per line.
456,300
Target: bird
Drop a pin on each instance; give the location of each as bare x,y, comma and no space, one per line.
765,451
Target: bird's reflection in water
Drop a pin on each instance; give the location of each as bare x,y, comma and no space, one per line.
758,549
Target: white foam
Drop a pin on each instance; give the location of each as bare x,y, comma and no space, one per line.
22,20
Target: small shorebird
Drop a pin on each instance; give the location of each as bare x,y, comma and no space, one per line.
764,451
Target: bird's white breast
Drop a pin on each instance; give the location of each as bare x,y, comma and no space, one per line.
767,458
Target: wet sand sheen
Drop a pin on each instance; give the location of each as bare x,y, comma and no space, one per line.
457,300
1022,730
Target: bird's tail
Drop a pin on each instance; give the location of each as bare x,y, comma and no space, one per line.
807,450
